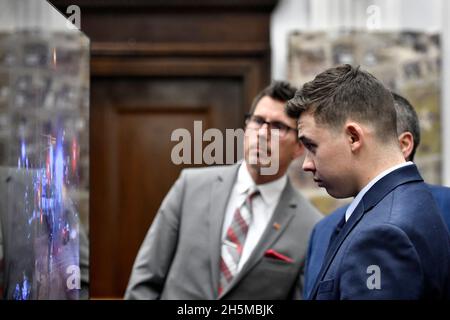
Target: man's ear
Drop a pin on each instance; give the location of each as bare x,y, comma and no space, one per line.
355,135
406,141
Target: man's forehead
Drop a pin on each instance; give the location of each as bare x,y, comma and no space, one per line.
309,129
305,121
273,110
269,103
303,129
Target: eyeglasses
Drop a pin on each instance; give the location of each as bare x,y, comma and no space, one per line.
256,122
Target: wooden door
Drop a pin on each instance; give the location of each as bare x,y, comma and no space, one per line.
131,163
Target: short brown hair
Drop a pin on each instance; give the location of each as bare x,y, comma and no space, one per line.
407,121
343,93
277,90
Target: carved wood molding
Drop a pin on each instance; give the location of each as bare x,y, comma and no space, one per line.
112,5
186,49
163,66
249,70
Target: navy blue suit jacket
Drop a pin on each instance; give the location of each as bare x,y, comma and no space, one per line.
442,196
394,227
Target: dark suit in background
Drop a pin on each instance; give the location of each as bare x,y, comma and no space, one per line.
442,196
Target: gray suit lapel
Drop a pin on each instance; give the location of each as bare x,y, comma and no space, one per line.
283,213
220,194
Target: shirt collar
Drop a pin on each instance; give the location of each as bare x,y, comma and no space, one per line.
361,194
270,192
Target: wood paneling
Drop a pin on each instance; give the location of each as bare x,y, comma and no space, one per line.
133,164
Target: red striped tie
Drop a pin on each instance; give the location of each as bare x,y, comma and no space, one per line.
234,240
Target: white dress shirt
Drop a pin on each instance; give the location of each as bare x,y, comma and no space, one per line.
361,194
263,207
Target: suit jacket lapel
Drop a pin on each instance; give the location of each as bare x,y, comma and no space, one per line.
220,193
332,250
282,215
371,198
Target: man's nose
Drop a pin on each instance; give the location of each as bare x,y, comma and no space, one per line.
264,130
308,163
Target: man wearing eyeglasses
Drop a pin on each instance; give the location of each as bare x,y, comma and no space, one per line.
233,232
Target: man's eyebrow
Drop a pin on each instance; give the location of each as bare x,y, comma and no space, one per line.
304,139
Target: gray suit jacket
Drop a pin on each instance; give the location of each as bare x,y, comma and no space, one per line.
179,258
